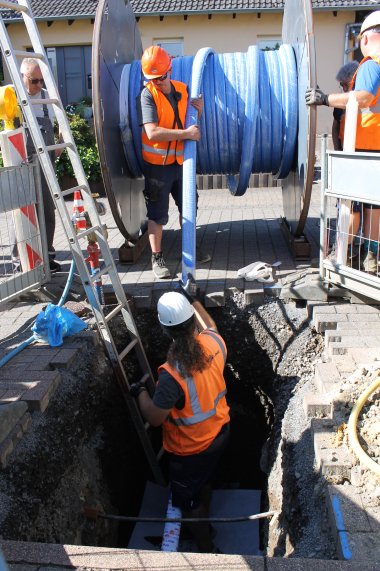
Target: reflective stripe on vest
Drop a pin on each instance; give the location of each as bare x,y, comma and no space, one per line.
162,152
198,415
216,337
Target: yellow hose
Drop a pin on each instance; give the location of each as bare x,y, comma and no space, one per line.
352,434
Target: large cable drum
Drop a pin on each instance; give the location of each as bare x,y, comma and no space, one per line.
270,100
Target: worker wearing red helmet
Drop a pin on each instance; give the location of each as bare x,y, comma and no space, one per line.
366,86
161,107
190,404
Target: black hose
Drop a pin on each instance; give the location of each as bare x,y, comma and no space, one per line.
188,519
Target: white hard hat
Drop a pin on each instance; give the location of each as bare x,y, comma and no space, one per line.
371,21
173,309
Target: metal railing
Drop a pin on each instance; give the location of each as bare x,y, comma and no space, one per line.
350,179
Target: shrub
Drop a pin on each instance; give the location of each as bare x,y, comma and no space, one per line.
87,150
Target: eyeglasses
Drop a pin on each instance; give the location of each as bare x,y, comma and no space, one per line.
35,81
162,78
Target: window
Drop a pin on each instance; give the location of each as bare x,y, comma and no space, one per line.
174,46
52,59
269,43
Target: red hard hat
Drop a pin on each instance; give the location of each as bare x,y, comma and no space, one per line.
155,62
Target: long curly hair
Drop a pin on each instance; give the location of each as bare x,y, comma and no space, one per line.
185,353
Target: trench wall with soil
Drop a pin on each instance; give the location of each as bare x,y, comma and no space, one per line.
83,450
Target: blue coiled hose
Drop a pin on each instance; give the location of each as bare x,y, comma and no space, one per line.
249,124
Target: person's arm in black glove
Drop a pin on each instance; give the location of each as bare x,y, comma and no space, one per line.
315,96
136,389
152,413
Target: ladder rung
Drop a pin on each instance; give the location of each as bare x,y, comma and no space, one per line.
73,189
34,55
13,6
114,312
47,101
87,231
144,378
125,351
58,146
103,271
147,426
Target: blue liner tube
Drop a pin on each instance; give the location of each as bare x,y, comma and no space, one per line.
189,171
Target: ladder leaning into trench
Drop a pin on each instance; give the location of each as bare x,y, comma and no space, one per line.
122,308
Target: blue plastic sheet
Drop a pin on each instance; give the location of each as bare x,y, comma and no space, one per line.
55,323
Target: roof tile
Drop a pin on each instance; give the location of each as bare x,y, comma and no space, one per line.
72,8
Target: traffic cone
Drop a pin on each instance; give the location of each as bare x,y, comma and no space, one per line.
78,212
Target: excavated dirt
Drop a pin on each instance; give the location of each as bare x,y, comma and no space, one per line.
84,451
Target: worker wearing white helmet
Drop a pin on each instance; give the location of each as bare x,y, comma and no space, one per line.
190,403
366,86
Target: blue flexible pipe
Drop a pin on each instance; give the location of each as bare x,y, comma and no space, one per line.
31,339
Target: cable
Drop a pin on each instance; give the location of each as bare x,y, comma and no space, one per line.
236,519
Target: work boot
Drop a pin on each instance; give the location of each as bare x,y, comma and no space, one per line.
54,266
202,257
370,263
158,266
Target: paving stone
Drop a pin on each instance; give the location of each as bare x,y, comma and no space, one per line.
38,397
326,373
330,460
373,514
319,405
10,415
64,358
324,321
359,546
361,355
254,295
347,308
344,364
346,510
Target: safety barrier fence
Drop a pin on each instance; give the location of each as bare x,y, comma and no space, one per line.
23,247
350,220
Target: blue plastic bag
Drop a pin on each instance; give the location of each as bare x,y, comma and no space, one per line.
55,323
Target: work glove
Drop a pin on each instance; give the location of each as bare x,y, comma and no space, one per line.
190,290
316,97
137,388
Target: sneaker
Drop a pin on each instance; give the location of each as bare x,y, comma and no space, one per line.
202,257
54,266
158,266
370,263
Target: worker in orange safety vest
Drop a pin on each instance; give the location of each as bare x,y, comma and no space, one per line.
366,86
161,108
190,404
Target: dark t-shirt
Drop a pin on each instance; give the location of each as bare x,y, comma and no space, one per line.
168,393
146,107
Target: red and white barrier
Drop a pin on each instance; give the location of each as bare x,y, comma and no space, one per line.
13,150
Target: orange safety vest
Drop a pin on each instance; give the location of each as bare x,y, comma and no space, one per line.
368,125
164,152
192,429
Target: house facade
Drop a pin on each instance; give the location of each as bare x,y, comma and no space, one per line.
183,27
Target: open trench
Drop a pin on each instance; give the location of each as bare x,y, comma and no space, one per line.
83,451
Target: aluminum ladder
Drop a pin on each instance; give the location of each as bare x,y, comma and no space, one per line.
12,58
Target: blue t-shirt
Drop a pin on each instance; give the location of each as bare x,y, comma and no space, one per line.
368,77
